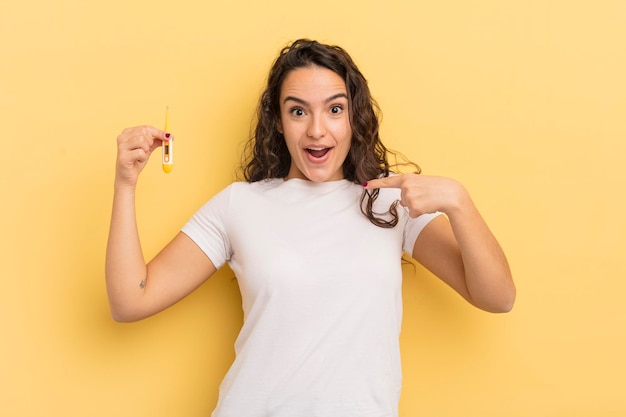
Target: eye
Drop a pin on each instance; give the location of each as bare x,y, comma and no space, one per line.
297,111
337,109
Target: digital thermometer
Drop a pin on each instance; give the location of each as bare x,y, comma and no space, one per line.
167,156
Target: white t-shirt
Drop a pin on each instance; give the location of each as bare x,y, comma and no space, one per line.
321,294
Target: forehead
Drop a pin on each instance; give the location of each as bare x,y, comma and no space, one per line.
312,82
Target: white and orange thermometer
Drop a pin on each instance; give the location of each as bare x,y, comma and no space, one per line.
167,156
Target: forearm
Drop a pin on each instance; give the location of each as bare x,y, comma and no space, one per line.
487,273
125,268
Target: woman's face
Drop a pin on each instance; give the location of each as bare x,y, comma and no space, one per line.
315,122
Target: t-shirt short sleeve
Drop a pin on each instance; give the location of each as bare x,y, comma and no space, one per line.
413,229
208,228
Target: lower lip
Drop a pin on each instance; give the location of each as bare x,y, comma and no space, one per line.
321,160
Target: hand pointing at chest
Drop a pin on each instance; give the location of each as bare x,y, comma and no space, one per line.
424,194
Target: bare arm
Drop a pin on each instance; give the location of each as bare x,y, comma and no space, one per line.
461,251
137,290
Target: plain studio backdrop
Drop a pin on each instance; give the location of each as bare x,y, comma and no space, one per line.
523,101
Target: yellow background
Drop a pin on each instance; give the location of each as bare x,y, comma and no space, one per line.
523,101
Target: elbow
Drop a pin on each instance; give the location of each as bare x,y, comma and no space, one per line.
121,318
503,307
496,301
125,318
503,303
125,309
124,315
510,303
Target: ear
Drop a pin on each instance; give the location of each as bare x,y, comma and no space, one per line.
279,126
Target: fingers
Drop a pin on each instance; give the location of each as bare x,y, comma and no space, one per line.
415,195
146,138
424,193
395,181
134,147
147,133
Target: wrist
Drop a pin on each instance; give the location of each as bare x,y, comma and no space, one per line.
124,187
460,200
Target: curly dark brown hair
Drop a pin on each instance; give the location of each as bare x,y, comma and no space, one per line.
266,154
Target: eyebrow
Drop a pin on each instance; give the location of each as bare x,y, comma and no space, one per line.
306,103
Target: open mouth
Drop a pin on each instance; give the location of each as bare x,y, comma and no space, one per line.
317,152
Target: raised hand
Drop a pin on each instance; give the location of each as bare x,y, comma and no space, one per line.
134,147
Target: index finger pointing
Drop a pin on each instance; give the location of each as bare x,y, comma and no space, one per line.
387,182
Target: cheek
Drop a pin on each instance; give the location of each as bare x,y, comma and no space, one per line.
289,128
291,138
347,135
289,135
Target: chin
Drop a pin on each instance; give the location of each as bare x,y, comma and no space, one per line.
320,173
322,176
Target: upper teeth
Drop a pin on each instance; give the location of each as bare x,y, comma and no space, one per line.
316,149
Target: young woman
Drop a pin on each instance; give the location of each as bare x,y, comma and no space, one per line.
315,237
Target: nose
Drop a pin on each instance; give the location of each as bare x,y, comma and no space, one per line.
316,128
